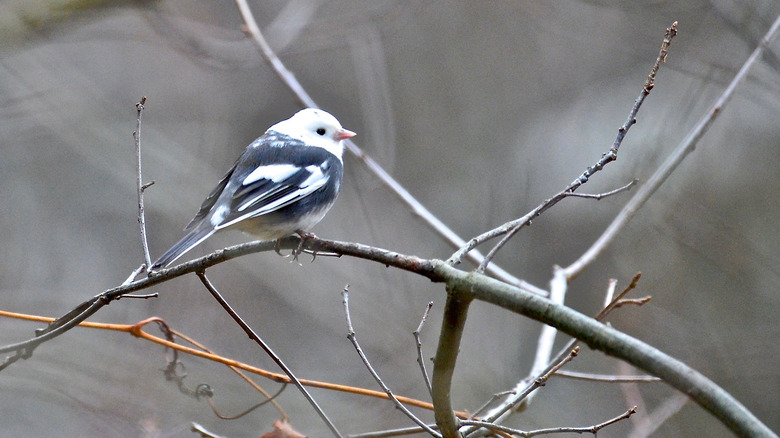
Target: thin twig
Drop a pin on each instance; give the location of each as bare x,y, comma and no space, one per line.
134,274
606,377
570,357
236,370
353,338
221,416
686,146
252,335
526,387
401,431
139,182
510,228
141,296
599,196
613,304
303,98
418,342
492,400
531,433
647,425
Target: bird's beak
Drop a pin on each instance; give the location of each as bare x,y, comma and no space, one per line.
344,134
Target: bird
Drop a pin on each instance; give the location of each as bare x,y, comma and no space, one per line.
283,183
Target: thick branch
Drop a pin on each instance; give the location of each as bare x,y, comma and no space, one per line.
455,311
612,342
510,228
467,286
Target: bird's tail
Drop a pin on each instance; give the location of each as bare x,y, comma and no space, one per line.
191,240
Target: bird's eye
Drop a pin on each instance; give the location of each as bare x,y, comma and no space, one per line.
321,131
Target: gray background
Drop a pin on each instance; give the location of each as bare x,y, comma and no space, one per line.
481,109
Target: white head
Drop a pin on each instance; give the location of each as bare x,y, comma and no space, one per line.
315,127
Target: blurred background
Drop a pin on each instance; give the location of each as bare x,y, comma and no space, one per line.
480,109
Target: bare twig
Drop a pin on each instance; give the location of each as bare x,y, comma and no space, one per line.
531,433
139,182
524,390
252,335
418,342
555,368
520,396
134,274
599,196
401,431
492,400
510,228
303,98
221,416
236,369
686,146
613,304
141,296
649,423
606,377
353,338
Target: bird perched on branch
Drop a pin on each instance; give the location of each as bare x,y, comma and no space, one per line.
283,183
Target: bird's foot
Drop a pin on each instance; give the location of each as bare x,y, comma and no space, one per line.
278,248
304,235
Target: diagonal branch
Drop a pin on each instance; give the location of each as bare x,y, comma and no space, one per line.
510,228
267,348
681,151
353,338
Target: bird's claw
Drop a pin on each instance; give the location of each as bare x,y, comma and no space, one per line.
278,248
299,250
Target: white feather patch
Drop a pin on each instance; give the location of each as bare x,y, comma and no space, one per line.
316,177
219,215
273,172
312,183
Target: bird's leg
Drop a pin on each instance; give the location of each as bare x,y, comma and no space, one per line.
278,248
304,235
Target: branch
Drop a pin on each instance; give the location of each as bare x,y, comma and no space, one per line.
660,176
466,285
253,336
455,311
418,343
587,429
606,378
204,353
353,338
510,228
139,182
599,196
568,353
612,342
